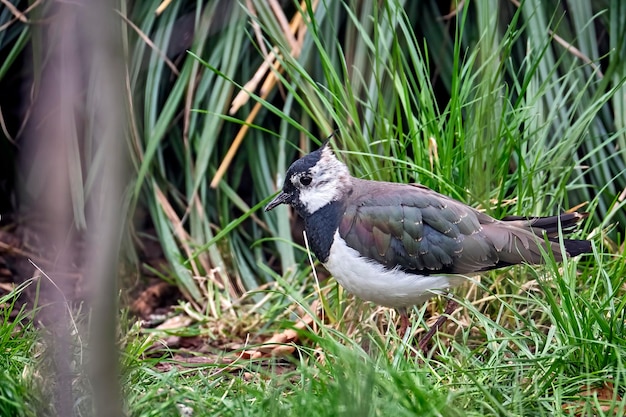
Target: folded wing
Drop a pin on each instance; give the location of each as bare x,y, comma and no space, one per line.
418,230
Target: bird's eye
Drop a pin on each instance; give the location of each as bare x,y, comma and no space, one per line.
305,180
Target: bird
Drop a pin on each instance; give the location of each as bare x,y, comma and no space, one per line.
397,244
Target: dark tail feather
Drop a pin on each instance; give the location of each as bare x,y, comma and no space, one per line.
575,247
550,225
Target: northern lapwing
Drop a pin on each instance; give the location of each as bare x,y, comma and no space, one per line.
399,244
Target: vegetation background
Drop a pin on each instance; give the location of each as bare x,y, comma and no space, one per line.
515,107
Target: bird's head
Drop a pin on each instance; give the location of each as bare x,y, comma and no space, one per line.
313,181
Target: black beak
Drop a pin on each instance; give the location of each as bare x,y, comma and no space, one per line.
282,198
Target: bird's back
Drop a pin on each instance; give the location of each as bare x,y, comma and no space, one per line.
420,231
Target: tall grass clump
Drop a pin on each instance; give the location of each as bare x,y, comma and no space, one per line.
508,111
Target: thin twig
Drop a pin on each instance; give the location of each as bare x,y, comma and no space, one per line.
28,9
151,44
67,306
288,29
164,4
576,52
454,12
5,130
14,10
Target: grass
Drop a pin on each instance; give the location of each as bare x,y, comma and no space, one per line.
553,345
20,382
492,109
548,347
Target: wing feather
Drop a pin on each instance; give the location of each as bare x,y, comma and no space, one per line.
417,230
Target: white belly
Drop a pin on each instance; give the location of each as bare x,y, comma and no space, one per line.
373,282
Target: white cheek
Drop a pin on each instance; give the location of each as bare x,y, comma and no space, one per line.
316,198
